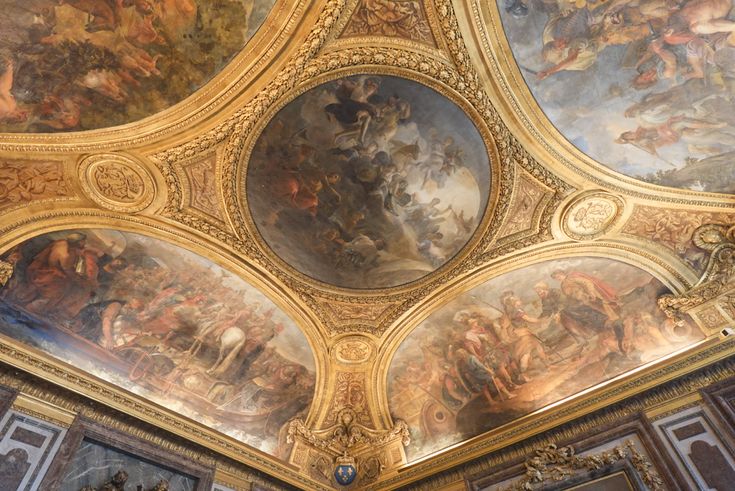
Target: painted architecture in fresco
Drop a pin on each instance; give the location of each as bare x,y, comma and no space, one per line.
644,87
162,322
368,181
77,65
524,340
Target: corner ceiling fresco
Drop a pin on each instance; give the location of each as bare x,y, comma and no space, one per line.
79,65
368,181
524,340
164,323
643,87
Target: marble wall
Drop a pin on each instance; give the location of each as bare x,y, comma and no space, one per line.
27,447
702,449
95,464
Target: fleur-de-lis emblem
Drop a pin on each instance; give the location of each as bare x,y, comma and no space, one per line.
345,474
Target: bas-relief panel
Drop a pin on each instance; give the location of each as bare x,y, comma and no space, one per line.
80,65
393,18
645,88
22,181
368,181
522,341
674,229
164,323
95,465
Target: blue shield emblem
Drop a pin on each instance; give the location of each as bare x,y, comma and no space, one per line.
345,474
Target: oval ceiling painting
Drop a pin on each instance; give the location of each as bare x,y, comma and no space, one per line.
368,181
163,323
645,88
522,341
76,65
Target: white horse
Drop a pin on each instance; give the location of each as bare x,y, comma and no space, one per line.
231,341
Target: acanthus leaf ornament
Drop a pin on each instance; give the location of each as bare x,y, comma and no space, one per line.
348,443
6,272
713,286
552,463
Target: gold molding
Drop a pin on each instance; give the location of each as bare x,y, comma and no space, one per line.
354,333
38,408
66,404
71,378
357,61
591,214
117,182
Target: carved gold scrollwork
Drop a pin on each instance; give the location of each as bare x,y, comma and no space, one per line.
553,463
591,215
6,271
347,434
347,439
719,241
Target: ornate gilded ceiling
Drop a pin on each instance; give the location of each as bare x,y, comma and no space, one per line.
379,231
